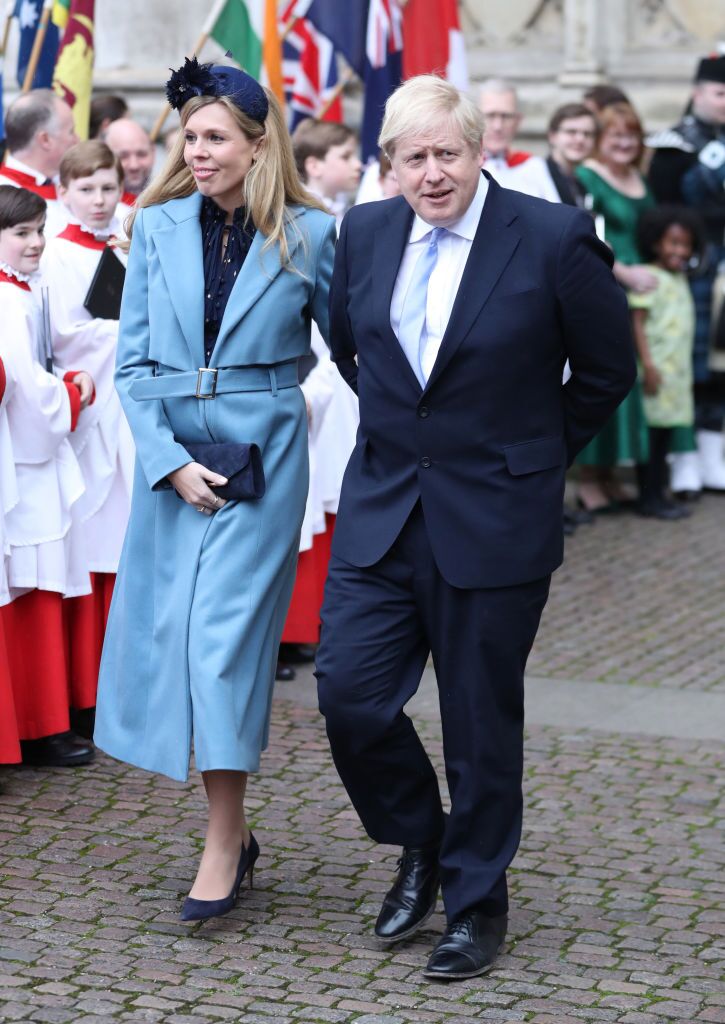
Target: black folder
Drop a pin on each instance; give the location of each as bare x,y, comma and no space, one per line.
103,299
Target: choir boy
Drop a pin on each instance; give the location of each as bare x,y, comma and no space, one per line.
90,185
44,560
328,163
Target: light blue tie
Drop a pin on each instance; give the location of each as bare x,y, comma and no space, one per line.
412,331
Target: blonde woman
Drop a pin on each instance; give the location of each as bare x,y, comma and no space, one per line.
230,258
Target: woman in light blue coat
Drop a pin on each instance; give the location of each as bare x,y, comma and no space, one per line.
230,260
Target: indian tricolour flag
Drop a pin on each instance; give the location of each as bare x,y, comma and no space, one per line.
248,28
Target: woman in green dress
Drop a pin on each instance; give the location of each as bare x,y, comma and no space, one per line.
619,194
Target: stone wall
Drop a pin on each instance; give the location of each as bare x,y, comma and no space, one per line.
551,48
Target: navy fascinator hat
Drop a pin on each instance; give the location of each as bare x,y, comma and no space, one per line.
195,79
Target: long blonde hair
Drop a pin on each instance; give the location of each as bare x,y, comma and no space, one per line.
270,186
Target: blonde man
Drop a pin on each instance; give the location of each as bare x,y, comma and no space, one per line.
454,307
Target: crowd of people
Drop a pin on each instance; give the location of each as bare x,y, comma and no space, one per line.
656,201
158,570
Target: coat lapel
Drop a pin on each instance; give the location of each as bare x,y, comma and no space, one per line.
258,271
493,245
389,245
179,250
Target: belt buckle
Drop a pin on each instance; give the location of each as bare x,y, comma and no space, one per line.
200,383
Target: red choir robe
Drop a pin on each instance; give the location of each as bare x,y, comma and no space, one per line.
9,739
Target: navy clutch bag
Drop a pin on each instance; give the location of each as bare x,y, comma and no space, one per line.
241,464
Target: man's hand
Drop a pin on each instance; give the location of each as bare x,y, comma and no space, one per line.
193,483
636,278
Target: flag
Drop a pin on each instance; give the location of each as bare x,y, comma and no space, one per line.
248,29
433,41
309,66
28,14
74,68
369,34
60,13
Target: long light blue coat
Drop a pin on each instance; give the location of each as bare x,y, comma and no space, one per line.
200,602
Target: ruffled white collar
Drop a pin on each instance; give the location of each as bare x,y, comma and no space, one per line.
113,229
12,272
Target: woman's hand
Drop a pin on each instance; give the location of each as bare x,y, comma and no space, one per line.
84,382
193,483
651,379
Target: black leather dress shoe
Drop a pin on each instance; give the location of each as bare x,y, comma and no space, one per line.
285,673
63,750
468,947
412,899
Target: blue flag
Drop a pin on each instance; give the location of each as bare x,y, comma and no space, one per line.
345,25
369,34
28,14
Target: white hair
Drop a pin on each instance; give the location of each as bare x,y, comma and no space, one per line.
497,86
420,104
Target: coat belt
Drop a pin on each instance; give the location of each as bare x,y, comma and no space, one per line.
209,382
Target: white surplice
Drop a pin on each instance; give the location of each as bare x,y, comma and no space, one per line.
102,441
43,536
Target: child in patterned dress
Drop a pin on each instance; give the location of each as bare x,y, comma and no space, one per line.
664,327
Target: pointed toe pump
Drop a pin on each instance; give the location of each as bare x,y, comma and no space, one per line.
201,910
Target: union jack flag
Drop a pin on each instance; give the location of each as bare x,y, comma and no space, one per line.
309,68
385,31
369,35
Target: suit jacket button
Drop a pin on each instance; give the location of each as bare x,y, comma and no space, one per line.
423,411
425,462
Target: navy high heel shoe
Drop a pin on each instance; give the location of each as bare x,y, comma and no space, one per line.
200,910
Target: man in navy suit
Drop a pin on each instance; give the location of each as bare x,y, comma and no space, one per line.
453,310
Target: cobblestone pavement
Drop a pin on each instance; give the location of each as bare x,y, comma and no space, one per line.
618,890
640,601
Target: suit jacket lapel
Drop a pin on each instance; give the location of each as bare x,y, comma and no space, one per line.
389,246
493,245
179,250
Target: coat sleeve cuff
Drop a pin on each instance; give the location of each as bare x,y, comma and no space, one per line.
74,396
68,378
157,470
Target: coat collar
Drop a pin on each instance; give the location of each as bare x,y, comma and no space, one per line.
179,247
493,245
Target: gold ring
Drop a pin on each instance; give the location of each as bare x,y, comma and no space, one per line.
199,508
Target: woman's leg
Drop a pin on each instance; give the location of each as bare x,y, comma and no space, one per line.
227,830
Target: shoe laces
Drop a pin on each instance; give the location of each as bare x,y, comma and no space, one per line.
460,927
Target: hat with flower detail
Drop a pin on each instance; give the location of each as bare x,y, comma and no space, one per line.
195,79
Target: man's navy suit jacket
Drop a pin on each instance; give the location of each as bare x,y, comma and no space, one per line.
485,445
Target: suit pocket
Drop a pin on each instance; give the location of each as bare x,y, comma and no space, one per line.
533,456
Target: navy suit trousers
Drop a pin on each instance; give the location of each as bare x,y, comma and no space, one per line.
379,625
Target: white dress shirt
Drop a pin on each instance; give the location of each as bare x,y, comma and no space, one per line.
453,250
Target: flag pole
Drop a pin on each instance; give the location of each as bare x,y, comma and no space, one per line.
37,45
198,47
9,9
336,93
289,25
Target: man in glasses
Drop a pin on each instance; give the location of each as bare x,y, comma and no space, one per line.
502,118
